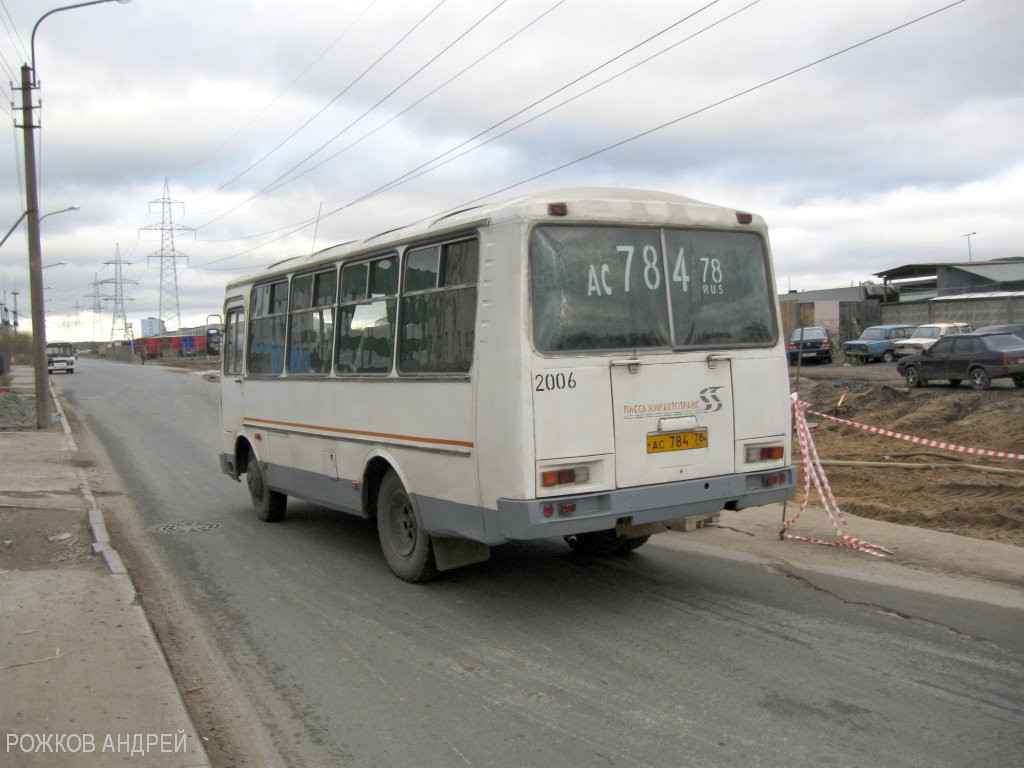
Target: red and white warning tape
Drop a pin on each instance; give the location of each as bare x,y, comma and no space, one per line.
917,440
814,473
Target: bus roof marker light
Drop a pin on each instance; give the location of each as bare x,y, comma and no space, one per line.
558,209
744,218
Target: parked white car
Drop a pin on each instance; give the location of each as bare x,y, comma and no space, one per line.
926,335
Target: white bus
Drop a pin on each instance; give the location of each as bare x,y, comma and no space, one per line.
60,356
594,364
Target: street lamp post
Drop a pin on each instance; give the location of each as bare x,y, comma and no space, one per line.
29,80
14,226
969,235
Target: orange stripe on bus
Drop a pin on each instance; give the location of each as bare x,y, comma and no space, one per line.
360,432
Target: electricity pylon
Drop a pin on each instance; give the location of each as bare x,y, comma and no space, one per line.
120,322
97,307
169,314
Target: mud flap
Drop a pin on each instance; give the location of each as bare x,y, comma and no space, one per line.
453,553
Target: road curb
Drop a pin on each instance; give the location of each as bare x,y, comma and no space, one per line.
121,577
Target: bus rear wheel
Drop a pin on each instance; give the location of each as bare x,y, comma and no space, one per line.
269,505
406,546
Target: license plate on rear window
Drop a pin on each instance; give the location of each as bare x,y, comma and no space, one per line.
677,441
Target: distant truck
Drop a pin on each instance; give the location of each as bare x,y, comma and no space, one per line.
876,343
60,356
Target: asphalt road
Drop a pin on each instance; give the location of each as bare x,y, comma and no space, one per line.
537,657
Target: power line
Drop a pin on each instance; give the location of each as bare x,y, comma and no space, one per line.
433,164
274,184
287,88
423,98
300,225
402,179
427,166
695,112
325,106
272,187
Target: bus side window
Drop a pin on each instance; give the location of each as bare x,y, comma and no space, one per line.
312,323
267,328
439,308
366,316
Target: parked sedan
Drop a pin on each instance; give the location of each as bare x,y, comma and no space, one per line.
810,343
976,357
876,343
925,335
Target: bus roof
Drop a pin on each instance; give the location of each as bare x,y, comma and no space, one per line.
604,204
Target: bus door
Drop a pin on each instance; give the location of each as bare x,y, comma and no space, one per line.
231,390
673,419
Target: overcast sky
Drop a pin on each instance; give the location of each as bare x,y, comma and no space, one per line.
261,115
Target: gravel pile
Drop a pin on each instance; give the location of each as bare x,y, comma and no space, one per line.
17,411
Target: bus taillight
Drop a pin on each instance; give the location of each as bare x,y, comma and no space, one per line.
552,477
764,453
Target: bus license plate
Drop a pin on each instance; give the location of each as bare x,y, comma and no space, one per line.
677,441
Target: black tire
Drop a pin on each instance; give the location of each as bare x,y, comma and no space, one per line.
406,546
955,382
634,542
595,543
1018,380
913,376
979,378
888,356
270,505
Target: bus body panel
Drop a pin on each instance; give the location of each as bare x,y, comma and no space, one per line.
761,395
424,427
669,405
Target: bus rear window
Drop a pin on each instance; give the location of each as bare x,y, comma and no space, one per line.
624,288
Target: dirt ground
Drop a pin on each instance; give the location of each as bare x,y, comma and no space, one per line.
902,482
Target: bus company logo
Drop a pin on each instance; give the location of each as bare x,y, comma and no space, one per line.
707,401
710,399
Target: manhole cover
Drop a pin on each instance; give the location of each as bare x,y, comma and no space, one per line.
188,526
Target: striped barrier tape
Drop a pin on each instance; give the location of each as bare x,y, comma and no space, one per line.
916,440
814,474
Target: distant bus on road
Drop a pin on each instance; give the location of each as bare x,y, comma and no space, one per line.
593,364
60,356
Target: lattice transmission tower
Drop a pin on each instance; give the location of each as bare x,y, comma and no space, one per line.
170,313
120,322
97,307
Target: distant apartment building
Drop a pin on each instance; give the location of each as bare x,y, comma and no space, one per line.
151,326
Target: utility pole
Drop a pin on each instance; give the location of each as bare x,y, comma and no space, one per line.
170,313
35,257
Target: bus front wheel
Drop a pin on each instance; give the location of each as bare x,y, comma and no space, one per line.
269,505
406,546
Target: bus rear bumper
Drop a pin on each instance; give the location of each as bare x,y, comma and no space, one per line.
567,515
